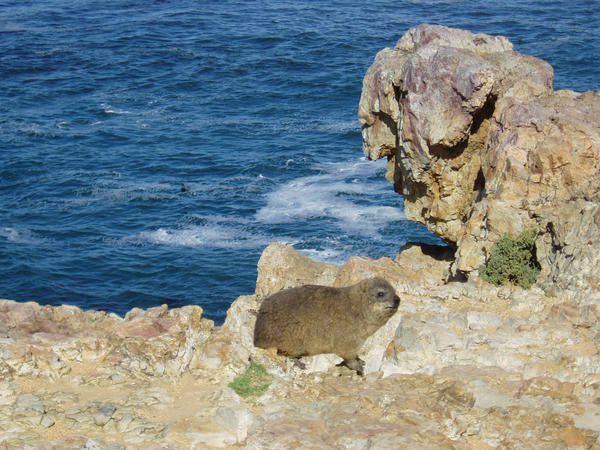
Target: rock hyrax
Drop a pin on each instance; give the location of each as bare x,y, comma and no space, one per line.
309,320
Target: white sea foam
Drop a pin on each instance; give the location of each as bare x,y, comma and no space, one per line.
361,167
12,28
20,236
340,192
284,125
339,127
118,191
108,109
328,255
35,130
134,191
210,235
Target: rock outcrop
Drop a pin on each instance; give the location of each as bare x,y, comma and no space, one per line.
480,146
460,365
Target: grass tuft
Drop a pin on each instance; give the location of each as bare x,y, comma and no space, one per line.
254,382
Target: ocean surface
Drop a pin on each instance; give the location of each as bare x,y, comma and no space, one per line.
108,107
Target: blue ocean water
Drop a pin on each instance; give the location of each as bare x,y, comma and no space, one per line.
109,107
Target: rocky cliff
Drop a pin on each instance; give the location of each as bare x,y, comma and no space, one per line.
460,365
481,146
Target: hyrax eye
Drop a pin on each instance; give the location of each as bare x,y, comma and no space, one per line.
380,294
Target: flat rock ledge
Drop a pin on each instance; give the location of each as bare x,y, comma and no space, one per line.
460,365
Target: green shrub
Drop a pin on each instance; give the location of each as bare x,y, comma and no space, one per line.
512,260
254,382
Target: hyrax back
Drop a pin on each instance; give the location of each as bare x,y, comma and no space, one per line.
310,319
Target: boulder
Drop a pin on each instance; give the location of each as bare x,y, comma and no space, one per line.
281,266
481,146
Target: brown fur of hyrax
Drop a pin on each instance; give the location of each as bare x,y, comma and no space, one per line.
309,320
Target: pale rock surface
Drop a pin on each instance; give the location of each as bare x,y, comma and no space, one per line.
232,345
481,146
464,365
428,265
278,261
320,363
416,267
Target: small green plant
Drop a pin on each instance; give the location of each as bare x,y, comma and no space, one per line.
512,260
254,382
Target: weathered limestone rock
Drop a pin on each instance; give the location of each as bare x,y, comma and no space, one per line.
463,365
320,363
231,345
157,341
358,268
417,266
480,146
281,267
425,264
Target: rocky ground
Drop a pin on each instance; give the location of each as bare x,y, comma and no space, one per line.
476,141
461,365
